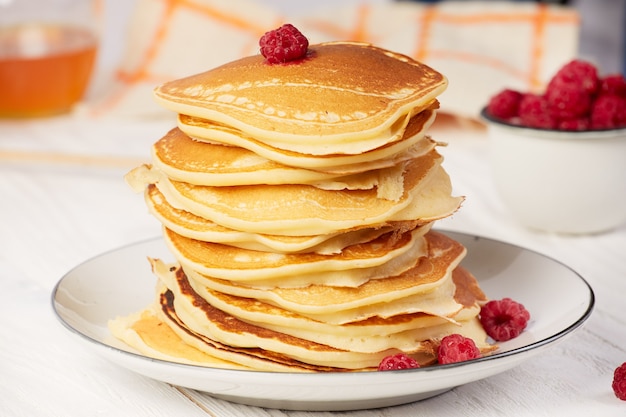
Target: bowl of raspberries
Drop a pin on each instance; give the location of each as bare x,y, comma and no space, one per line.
558,156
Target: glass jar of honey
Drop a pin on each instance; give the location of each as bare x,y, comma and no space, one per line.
47,55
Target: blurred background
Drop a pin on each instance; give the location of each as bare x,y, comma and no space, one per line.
602,31
481,46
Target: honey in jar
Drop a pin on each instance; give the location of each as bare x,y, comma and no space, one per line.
44,68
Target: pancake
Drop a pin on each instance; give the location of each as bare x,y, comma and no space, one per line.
411,142
298,201
183,159
388,254
158,333
152,337
266,314
197,344
195,227
369,336
439,302
382,297
324,104
195,318
305,210
216,326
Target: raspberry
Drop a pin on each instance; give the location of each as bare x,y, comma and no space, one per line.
619,382
457,348
396,362
504,319
580,73
533,112
614,84
608,112
505,104
567,100
576,99
283,44
581,123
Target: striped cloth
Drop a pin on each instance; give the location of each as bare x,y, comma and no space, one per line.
481,47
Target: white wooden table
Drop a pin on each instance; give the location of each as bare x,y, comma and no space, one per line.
63,200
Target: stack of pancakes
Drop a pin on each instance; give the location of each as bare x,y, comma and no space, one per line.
298,201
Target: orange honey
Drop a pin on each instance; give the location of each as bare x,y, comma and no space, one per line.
44,69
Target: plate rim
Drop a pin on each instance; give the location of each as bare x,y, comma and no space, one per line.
314,378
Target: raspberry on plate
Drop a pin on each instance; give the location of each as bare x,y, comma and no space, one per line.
619,382
504,319
397,362
505,104
283,44
457,348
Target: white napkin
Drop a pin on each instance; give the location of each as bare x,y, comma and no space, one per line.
481,46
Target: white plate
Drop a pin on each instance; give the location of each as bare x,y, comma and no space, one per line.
120,282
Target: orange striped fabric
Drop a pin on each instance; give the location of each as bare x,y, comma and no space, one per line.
480,48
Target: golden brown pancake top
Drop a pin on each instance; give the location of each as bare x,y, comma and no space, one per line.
340,90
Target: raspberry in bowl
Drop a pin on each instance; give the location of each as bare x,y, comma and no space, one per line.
558,157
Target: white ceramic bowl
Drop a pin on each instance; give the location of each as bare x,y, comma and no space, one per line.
558,181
